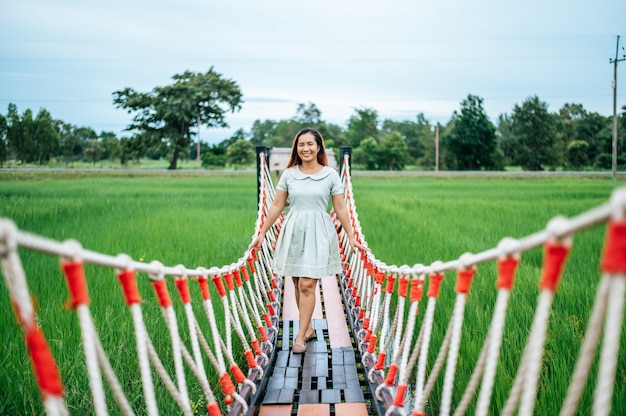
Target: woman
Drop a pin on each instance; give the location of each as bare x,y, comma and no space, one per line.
307,248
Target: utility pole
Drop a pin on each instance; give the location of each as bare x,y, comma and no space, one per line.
614,62
437,148
198,145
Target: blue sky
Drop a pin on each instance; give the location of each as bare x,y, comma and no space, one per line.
398,57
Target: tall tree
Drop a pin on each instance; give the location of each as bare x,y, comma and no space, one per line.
240,153
45,137
308,115
362,125
472,140
173,111
19,130
262,131
534,128
367,154
393,152
415,134
4,147
507,142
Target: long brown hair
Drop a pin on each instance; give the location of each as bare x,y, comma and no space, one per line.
321,155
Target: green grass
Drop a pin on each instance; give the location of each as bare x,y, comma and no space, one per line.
208,220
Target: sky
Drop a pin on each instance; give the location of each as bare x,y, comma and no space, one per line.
397,57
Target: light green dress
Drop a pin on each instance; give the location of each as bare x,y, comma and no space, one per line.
307,245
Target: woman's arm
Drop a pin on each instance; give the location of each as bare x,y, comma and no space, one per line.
280,199
339,205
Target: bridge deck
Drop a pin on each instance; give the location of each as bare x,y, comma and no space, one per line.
326,380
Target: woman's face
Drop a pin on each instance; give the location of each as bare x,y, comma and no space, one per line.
307,147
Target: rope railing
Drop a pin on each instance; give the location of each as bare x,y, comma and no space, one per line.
248,307
396,345
390,368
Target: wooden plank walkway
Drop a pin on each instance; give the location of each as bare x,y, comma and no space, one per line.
327,379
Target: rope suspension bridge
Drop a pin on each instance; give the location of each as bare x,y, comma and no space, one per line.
373,352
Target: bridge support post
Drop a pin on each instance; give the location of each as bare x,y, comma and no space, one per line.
343,151
266,151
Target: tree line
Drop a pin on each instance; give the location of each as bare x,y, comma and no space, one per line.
165,123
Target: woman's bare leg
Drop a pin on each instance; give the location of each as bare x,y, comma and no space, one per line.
306,287
296,291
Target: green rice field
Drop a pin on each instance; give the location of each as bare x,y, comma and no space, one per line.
208,220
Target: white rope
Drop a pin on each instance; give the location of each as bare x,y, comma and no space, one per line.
423,355
88,335
112,379
588,349
610,347
448,381
170,321
535,353
495,342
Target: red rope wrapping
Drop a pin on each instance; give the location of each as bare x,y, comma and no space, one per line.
43,363
274,283
417,413
366,323
614,256
553,262
76,282
267,319
219,285
183,290
160,287
238,280
250,359
227,387
372,343
213,409
240,377
435,283
417,289
271,310
398,401
244,272
368,334
391,282
251,262
373,293
391,375
129,287
270,293
379,277
263,334
380,363
361,312
506,272
255,257
403,285
203,282
350,282
354,291
256,347
464,279
228,278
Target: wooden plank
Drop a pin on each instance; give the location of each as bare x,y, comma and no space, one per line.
314,409
351,409
275,410
333,307
290,309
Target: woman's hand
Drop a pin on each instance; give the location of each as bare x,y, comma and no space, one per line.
355,244
257,242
